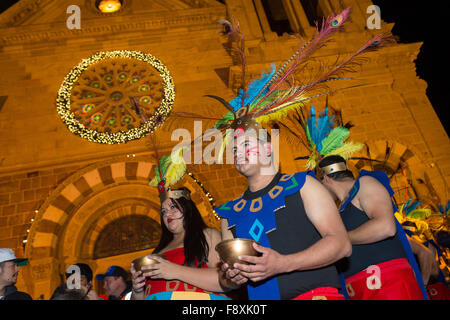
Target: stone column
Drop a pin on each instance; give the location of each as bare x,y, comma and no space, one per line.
297,17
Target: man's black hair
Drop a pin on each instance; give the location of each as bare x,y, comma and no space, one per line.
340,175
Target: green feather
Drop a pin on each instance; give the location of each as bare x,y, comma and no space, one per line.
163,163
419,214
334,140
308,135
228,116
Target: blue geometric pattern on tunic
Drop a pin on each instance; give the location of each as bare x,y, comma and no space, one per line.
259,226
255,221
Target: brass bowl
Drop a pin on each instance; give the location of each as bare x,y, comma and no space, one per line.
145,261
230,250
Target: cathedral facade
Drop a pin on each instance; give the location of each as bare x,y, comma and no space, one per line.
75,161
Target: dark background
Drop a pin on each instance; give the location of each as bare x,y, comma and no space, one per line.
415,21
427,22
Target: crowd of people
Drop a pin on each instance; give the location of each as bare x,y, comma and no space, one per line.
312,249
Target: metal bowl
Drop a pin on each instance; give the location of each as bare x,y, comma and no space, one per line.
145,261
230,250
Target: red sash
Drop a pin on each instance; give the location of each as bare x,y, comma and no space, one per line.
322,293
438,291
390,280
155,286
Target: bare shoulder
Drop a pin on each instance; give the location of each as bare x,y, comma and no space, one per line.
311,186
311,182
373,197
370,184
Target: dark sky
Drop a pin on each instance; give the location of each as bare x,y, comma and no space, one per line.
415,21
423,21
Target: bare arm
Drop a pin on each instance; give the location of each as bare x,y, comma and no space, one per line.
206,279
226,233
322,212
229,278
374,200
334,245
424,257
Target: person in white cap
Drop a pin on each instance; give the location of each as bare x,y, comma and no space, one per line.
8,276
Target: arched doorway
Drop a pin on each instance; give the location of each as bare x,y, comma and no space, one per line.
404,166
77,215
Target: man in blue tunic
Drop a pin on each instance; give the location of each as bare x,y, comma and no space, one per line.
296,223
378,268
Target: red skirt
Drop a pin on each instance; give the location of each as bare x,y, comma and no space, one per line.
390,280
322,293
438,291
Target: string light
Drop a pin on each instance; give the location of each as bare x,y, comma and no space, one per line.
76,127
207,194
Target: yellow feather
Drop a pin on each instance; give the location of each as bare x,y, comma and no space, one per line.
176,168
278,113
347,149
154,182
224,144
313,159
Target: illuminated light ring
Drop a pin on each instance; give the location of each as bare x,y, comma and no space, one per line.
76,127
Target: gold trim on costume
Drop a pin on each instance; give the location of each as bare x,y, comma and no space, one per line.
174,194
286,177
252,205
240,205
335,167
275,191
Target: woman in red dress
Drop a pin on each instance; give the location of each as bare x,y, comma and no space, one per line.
190,261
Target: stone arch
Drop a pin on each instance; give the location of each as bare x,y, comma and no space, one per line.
404,164
71,218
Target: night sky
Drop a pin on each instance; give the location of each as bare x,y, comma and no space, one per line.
415,21
423,21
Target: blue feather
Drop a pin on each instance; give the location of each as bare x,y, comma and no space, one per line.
319,128
412,206
312,125
447,207
441,209
325,125
405,206
253,89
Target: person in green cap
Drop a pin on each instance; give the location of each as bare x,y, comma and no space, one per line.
9,270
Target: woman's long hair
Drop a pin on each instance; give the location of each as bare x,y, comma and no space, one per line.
196,248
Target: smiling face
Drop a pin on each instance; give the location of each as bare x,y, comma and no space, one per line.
172,216
251,155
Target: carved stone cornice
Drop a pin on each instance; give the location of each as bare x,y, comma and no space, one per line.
21,11
395,57
98,27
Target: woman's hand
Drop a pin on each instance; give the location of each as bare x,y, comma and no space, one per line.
230,277
138,280
163,270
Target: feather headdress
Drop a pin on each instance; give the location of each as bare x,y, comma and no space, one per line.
169,169
277,93
411,210
445,212
323,136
